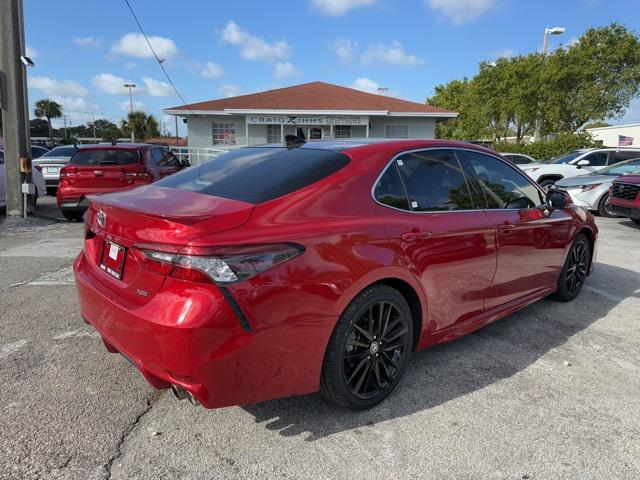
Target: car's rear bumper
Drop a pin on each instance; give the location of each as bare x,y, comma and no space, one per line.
623,208
189,335
72,198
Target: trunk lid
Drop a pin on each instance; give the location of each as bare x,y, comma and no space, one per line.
153,218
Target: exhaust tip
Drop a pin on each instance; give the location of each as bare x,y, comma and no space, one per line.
178,392
194,401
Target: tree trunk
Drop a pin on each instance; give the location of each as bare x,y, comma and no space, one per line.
50,129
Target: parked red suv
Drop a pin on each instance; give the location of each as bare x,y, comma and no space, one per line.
108,168
274,271
624,197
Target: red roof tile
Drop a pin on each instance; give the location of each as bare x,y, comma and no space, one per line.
313,96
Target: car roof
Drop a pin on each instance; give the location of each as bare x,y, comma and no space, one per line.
115,146
347,144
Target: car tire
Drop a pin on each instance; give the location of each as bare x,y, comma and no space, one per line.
356,373
636,220
575,270
72,215
52,191
602,207
546,184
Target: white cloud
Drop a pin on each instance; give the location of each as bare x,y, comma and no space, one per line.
459,12
345,49
252,47
113,85
230,90
366,85
30,52
286,69
125,106
158,88
371,86
135,45
336,8
75,104
88,41
506,53
50,86
211,70
393,54
130,65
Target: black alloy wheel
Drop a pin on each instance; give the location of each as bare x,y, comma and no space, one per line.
369,349
575,269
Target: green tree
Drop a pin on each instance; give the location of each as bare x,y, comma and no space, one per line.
48,109
144,126
38,127
110,133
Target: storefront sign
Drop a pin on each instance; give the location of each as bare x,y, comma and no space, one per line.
307,120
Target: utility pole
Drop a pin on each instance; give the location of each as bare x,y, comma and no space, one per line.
130,86
177,137
93,122
13,98
545,49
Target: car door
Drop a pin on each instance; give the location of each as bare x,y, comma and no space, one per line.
597,160
530,238
432,220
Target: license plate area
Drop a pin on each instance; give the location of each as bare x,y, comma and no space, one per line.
112,259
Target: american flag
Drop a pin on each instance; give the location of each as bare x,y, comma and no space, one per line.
624,141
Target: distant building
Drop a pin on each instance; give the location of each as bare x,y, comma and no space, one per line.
617,135
321,110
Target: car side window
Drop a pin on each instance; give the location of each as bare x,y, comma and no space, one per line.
622,155
597,159
504,187
435,181
390,190
156,157
169,160
1,158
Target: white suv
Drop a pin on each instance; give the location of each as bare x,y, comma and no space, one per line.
576,163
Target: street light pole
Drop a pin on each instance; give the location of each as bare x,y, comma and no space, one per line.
545,48
130,86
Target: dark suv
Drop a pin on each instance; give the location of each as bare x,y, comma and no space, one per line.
108,168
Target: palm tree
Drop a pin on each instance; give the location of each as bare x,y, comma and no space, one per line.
48,109
143,125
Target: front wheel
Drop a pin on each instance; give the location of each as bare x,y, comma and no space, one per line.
368,350
575,270
73,215
602,207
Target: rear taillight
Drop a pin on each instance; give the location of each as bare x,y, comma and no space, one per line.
142,173
223,265
68,172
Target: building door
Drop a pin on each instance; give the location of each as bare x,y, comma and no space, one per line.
315,133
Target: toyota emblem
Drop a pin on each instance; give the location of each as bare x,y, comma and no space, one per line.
102,218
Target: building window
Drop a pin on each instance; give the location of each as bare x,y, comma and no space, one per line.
396,131
224,133
342,131
273,134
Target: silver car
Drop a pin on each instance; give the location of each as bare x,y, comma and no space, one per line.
592,190
51,163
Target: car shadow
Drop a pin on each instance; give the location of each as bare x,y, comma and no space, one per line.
629,223
448,371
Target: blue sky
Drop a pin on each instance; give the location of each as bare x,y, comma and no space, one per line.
83,51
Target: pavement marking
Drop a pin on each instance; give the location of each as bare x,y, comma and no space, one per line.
10,348
76,334
50,248
63,276
610,296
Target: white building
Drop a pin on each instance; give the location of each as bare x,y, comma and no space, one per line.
617,135
321,110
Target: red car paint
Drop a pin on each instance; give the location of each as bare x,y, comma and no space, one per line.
462,269
624,197
79,181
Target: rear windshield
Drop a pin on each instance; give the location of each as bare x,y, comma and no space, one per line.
104,157
60,152
257,175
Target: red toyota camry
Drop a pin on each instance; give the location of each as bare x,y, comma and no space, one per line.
283,270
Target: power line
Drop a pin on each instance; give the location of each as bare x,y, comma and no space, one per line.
166,74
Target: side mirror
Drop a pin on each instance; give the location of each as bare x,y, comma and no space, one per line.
583,163
556,200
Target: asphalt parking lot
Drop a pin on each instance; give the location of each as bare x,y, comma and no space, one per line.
550,392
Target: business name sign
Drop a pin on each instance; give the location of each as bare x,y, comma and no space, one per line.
307,119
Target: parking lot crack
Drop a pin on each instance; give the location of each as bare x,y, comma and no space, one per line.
128,431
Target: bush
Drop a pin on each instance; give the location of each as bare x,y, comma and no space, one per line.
561,144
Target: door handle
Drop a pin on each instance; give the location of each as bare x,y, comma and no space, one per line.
413,236
506,227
